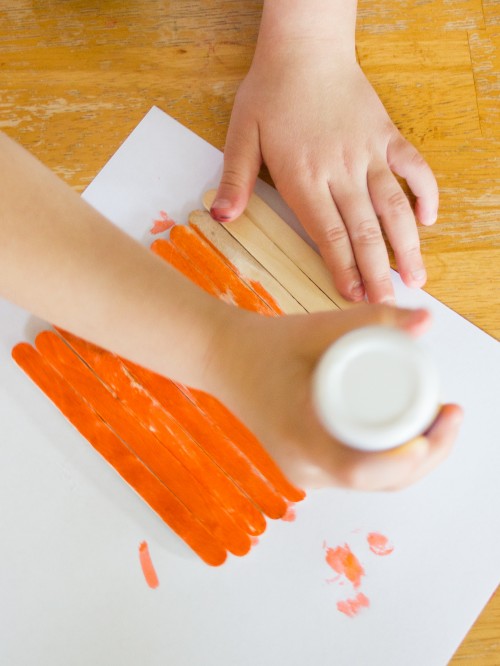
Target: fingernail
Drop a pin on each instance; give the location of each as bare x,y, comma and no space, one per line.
221,209
388,300
357,290
419,275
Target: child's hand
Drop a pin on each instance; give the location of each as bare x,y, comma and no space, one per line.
311,115
265,377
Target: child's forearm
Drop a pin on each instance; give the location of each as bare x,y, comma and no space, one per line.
61,260
333,20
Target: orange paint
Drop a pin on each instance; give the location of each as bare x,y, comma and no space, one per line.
351,607
379,544
118,454
290,514
182,263
143,443
231,287
163,224
343,561
147,566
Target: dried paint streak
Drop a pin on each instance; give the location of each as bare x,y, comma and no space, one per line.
343,561
379,544
351,607
147,566
164,223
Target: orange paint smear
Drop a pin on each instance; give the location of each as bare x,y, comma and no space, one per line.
231,286
290,515
147,566
119,455
379,544
143,442
351,607
255,286
343,561
218,487
163,224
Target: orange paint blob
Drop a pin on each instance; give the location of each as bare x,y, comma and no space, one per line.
379,544
351,607
343,561
163,224
147,566
290,514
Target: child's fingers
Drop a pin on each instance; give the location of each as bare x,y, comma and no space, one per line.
392,206
318,212
405,160
242,160
357,211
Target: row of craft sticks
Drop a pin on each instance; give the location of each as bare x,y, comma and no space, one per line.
284,255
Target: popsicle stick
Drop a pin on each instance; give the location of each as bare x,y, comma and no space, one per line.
232,287
182,263
295,247
143,442
217,485
267,253
233,252
247,442
224,450
115,451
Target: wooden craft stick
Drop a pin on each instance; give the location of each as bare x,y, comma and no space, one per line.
143,442
182,263
115,451
289,242
217,485
232,287
233,252
247,442
224,450
267,253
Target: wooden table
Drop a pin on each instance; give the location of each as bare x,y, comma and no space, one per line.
77,76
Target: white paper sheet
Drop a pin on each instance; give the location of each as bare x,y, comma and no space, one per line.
71,588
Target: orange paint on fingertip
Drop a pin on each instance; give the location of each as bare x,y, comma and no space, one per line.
379,544
147,566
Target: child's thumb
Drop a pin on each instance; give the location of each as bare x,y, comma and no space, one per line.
242,162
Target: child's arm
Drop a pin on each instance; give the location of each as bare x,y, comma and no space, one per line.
63,261
307,110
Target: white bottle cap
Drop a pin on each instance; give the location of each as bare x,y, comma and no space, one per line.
375,388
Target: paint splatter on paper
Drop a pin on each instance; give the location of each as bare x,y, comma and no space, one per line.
164,223
379,544
343,561
290,515
351,607
147,566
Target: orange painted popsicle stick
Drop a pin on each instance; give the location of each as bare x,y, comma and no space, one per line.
219,488
225,451
234,429
209,262
115,451
146,446
178,260
255,286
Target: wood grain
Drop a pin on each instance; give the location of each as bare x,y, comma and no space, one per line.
77,76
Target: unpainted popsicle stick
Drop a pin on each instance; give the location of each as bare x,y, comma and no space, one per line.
237,255
141,440
289,242
267,253
118,454
217,485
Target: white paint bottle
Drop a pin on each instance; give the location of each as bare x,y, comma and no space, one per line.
376,388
